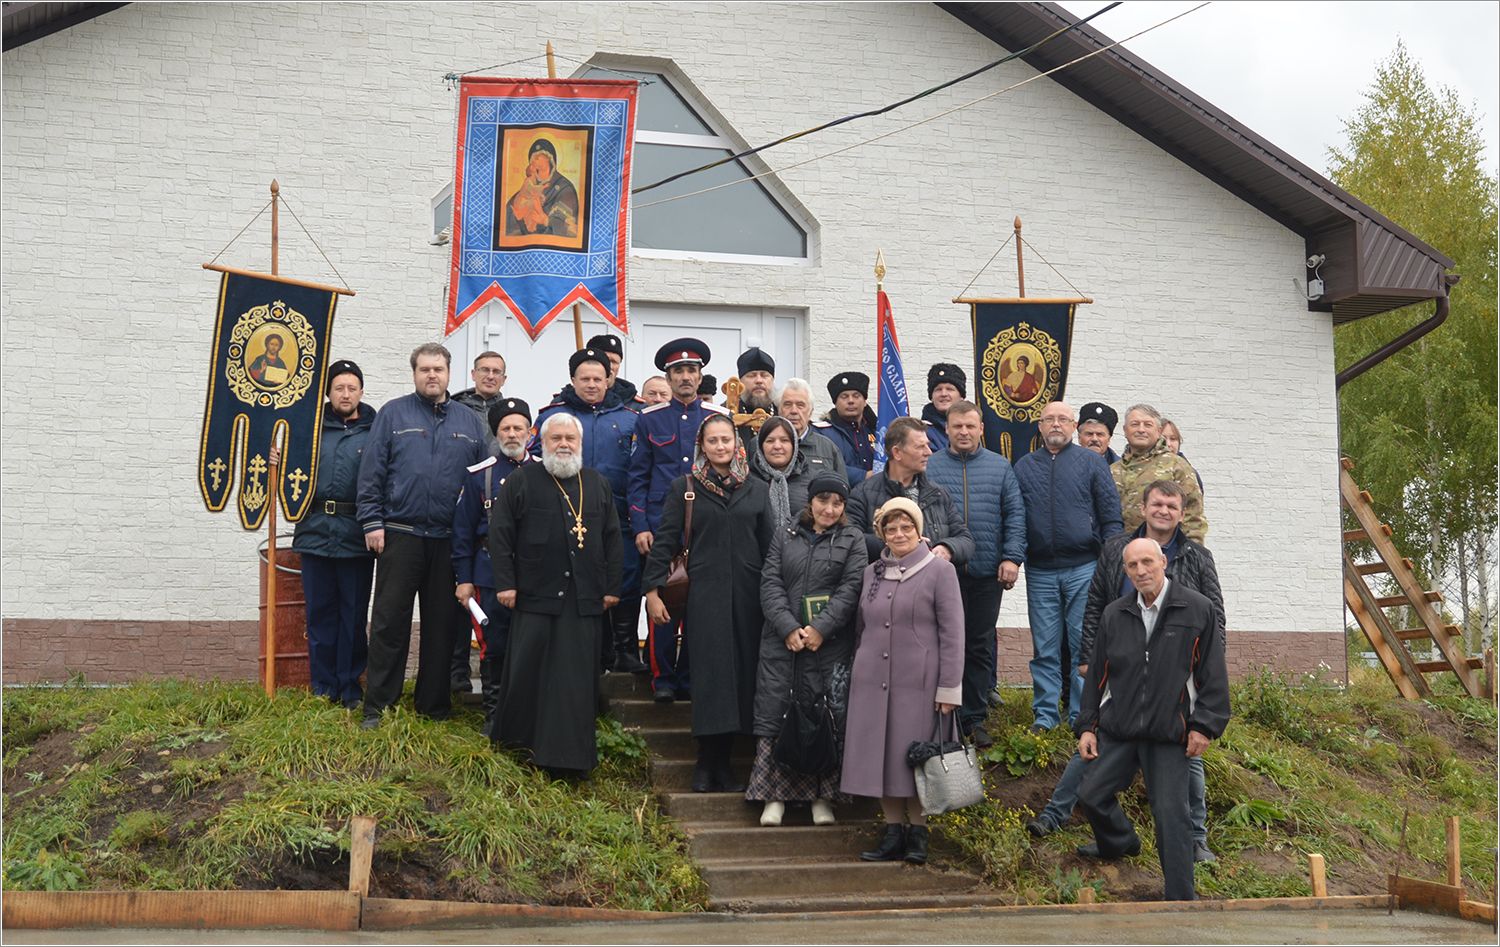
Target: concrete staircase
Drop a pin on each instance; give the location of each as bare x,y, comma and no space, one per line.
796,867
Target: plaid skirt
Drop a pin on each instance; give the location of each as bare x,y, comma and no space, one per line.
770,781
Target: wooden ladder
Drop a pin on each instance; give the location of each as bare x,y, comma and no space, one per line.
1389,642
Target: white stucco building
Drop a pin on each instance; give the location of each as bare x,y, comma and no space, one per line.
138,142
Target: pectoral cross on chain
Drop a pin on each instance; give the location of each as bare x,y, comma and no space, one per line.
579,530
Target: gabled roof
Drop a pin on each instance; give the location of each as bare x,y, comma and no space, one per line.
27,22
1373,265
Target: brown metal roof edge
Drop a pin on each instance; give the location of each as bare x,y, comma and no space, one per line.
71,15
1055,17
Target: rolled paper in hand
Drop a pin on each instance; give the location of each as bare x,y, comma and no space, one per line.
477,612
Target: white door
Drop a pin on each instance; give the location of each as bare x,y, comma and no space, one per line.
538,370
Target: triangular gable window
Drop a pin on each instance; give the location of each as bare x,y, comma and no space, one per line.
742,221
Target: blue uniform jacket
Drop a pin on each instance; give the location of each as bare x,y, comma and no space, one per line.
983,488
855,441
1072,506
666,435
937,428
326,530
471,520
414,465
608,437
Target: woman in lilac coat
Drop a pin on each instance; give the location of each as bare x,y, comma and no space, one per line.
908,664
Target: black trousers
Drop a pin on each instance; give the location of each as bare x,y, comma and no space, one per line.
1165,768
411,566
981,597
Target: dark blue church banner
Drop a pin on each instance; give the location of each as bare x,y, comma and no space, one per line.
1021,365
266,378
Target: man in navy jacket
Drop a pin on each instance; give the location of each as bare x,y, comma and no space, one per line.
1071,508
984,490
409,481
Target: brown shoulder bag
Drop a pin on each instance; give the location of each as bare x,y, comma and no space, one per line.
674,593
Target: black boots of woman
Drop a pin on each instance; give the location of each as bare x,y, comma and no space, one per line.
900,843
711,773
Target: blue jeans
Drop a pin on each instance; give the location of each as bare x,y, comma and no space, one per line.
1060,807
1054,604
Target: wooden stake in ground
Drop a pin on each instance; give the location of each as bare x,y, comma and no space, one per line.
1315,870
361,853
1455,868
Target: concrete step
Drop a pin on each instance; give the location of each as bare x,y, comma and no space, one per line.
621,686
830,842
677,775
867,901
783,878
634,712
726,810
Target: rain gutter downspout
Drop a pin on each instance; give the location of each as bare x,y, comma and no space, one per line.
1439,315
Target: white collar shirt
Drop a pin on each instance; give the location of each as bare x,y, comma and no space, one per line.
1150,613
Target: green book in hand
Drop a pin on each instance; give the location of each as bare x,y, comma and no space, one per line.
812,607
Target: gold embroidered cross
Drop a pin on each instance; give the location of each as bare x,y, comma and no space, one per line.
216,471
297,478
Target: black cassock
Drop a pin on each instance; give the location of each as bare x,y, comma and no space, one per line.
549,686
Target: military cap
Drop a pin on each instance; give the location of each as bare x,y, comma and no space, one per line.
681,352
509,406
345,367
827,482
1101,412
609,344
949,373
849,381
755,360
587,355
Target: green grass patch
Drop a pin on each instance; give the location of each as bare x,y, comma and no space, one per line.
174,784
1307,765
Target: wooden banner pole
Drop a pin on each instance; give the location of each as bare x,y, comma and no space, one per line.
577,307
273,483
1020,267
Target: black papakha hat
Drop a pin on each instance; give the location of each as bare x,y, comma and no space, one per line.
849,381
755,360
1101,412
951,374
827,482
607,343
588,355
501,409
344,367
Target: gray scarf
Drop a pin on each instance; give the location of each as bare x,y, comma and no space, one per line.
781,506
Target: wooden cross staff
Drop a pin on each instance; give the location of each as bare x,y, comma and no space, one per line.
733,389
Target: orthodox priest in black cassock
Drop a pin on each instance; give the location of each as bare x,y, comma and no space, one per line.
555,545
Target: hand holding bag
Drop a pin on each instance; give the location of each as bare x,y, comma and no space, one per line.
947,773
674,593
806,743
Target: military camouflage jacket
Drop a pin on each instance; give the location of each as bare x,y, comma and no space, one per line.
1134,473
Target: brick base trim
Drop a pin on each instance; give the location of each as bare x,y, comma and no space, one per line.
47,650
1296,652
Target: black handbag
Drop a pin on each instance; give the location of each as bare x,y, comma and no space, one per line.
806,743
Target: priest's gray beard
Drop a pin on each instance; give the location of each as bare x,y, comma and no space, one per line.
562,465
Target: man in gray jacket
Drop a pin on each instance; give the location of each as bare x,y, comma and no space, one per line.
409,480
905,475
795,403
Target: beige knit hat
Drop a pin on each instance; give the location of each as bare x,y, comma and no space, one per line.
899,505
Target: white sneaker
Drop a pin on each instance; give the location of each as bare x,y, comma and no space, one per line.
822,812
771,814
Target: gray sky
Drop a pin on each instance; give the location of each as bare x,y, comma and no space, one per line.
1294,72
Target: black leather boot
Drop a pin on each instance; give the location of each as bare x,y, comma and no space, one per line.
703,770
724,778
916,844
892,845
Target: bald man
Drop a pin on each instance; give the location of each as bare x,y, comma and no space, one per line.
1072,507
1153,723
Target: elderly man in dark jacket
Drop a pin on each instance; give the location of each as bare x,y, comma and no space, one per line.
336,567
1132,720
409,481
1193,567
905,475
984,490
1072,507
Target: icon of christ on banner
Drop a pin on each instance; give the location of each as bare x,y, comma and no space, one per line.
542,182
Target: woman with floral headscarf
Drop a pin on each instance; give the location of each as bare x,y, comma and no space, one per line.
731,529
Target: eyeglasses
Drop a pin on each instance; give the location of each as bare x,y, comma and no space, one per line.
490,371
